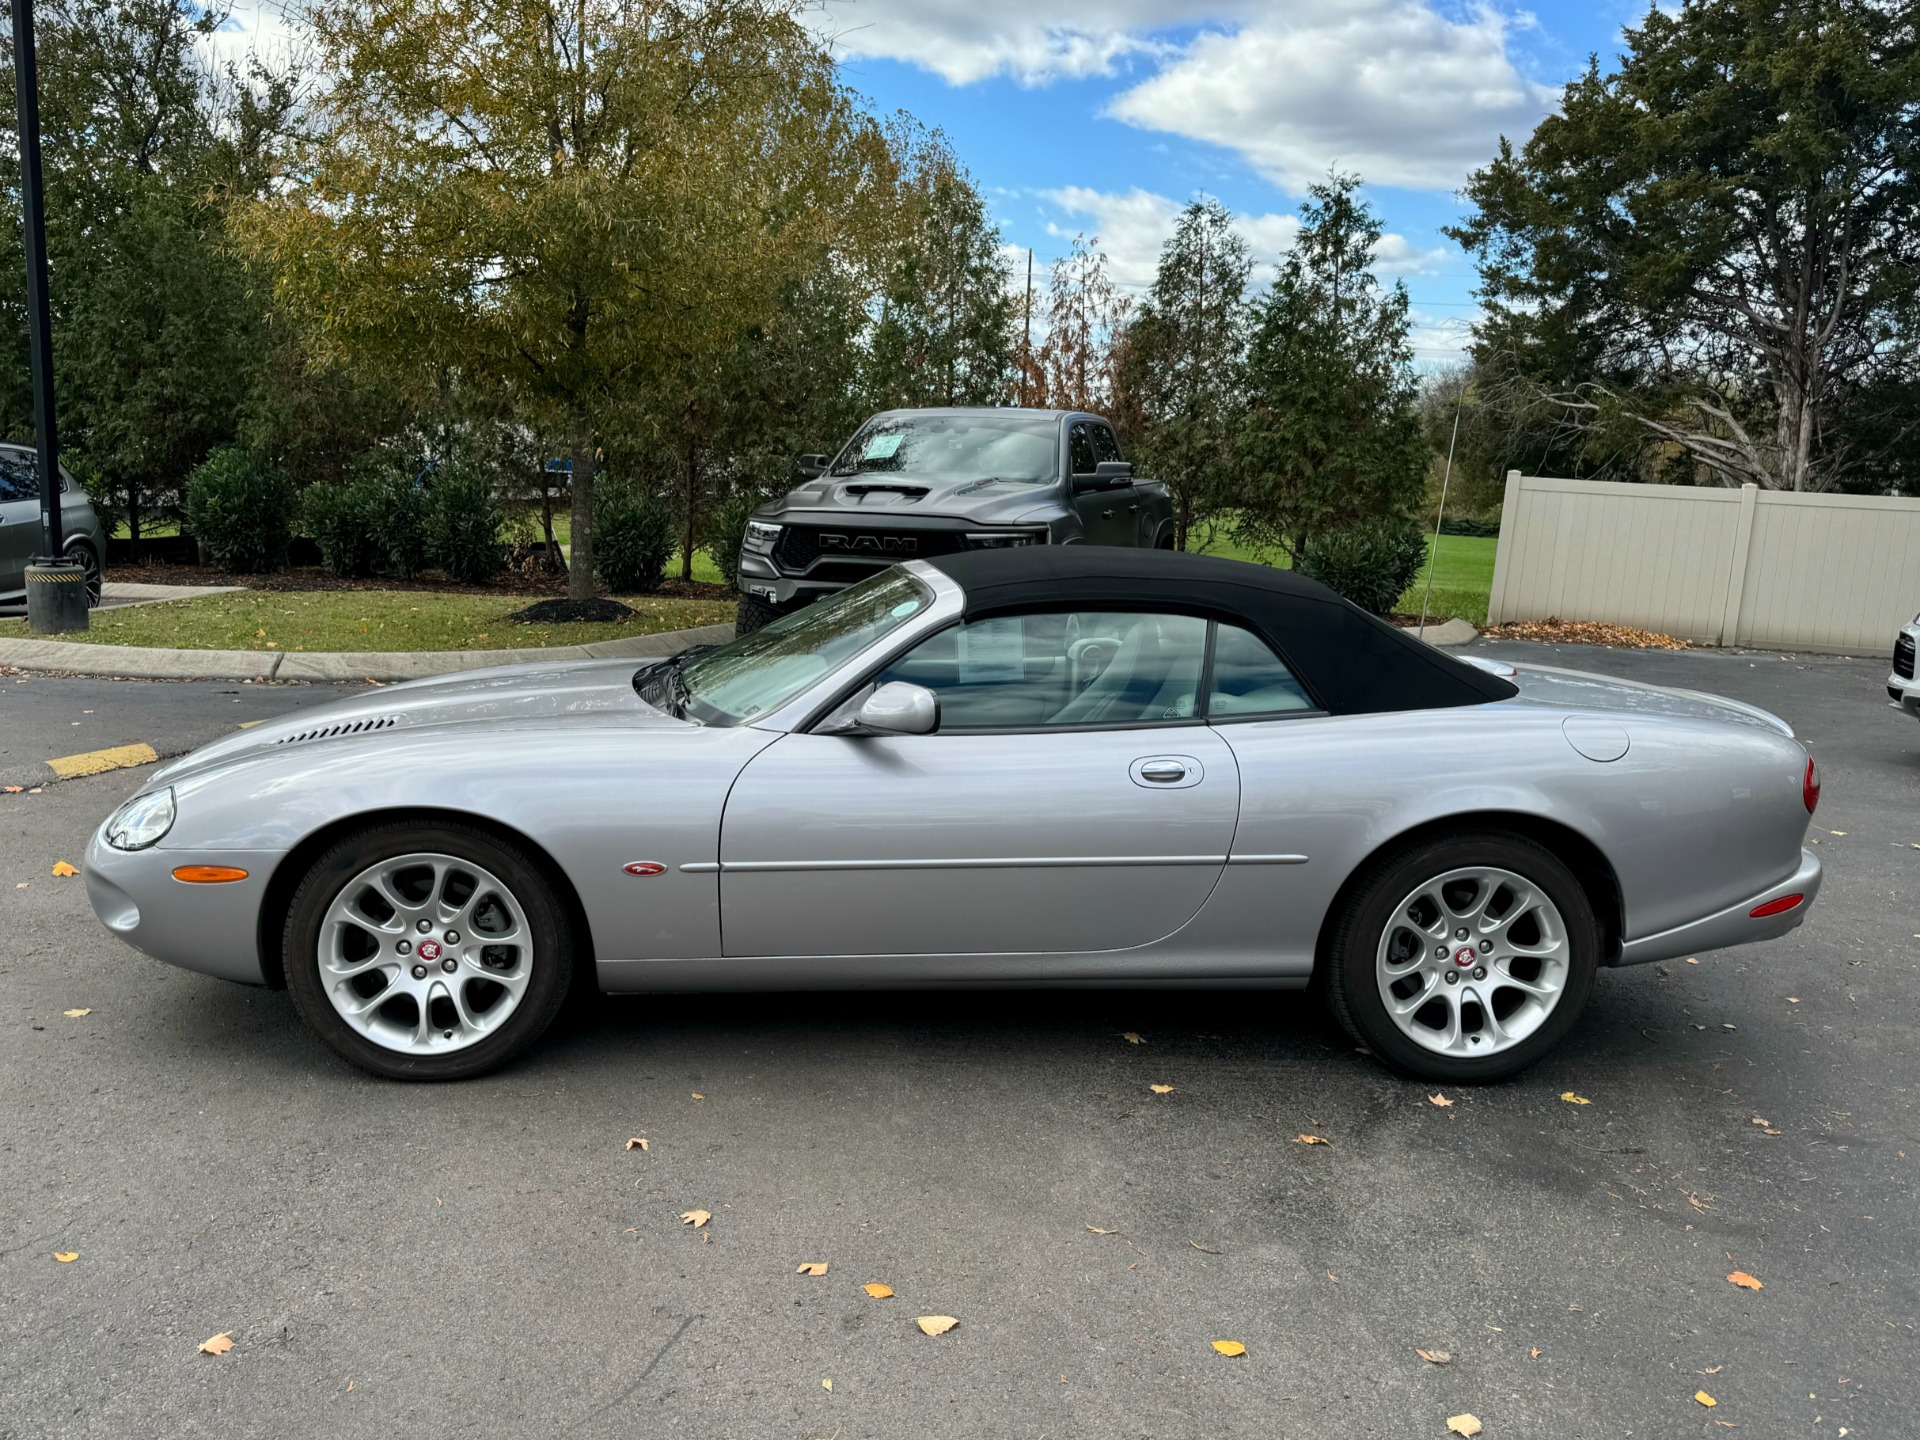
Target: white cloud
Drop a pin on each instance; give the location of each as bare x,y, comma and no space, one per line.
1388,88
1134,224
1032,40
1397,90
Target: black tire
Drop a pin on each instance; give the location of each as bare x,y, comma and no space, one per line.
548,919
1349,958
755,614
89,562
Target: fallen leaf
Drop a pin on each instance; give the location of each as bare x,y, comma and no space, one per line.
1133,1038
935,1324
76,1014
1793,999
1836,832
218,1344
812,1267
1435,1357
1161,1089
66,1257
1692,960
1771,1132
1534,1353
1726,1026
878,1291
1713,1370
696,1218
11,789
1230,1347
1744,1281
1573,1099
1705,1399
63,869
638,1142
826,1384
1758,1121
1098,1231
1464,1424
698,1096
1440,1100
1304,1139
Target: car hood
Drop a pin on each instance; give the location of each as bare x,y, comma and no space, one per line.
1580,690
584,692
891,499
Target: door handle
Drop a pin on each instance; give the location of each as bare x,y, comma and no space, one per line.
1163,772
1166,772
1106,514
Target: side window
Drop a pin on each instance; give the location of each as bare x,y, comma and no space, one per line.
17,480
1072,670
1105,447
1249,679
1080,448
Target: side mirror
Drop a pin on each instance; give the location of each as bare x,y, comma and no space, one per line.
896,708
811,467
1119,472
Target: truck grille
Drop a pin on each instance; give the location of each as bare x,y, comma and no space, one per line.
1903,657
835,552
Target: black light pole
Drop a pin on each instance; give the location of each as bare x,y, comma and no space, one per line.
52,582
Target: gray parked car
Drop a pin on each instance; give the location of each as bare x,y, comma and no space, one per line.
85,538
1066,766
916,484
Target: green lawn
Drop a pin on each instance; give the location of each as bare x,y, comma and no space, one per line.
364,620
1462,568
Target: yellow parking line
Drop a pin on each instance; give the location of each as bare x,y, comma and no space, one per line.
97,762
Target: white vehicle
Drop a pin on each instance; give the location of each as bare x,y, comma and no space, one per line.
1902,689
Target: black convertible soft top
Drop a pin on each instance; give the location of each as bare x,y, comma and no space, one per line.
1353,663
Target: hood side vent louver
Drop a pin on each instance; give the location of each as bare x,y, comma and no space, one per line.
345,727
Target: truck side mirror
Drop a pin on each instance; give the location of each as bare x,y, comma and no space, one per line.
1117,472
811,467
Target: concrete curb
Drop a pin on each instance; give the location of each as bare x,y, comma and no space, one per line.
143,663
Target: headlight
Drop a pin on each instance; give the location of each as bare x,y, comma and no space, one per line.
1000,539
761,535
142,821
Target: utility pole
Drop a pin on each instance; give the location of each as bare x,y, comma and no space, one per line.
56,587
1026,336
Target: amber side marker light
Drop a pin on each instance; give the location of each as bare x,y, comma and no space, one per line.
1773,907
209,874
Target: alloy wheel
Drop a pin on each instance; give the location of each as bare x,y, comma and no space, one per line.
1472,962
425,954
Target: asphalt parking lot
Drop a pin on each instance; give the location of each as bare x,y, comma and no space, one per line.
488,1258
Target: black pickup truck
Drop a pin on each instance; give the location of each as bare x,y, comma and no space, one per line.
915,483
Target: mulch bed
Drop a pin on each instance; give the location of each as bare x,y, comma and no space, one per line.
562,611
529,582
1555,631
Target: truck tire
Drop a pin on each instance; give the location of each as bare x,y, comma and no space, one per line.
755,614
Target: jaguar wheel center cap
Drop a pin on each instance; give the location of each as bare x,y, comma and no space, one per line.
1465,957
430,950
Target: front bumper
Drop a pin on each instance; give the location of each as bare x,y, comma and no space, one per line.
1904,694
214,929
1735,925
760,579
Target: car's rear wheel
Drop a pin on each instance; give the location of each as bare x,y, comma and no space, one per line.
90,563
755,614
1463,957
427,952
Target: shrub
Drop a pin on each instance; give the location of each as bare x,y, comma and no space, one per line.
1371,562
335,516
463,525
1467,525
240,509
632,538
729,529
395,506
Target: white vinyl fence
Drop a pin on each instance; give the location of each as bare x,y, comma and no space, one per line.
1769,569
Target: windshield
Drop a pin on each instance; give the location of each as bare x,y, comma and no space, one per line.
758,673
980,446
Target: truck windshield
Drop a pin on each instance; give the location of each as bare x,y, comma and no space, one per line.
1013,446
758,673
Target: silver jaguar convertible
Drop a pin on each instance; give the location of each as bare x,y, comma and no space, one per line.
1047,766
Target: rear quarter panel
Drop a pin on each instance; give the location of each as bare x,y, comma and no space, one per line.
1696,816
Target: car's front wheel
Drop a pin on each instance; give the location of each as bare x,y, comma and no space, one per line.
1463,957
427,951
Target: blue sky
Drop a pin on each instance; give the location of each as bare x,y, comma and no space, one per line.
1103,116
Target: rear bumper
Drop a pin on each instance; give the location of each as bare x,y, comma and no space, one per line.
1735,925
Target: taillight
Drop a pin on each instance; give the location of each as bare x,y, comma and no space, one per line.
1810,786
